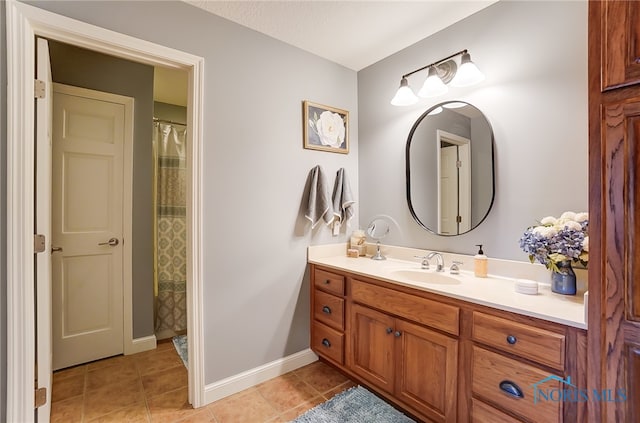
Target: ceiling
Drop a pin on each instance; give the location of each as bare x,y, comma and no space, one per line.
354,34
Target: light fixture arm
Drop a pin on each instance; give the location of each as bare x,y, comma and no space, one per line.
436,63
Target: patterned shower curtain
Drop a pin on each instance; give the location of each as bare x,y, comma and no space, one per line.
170,227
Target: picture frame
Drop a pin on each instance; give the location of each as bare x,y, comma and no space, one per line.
326,128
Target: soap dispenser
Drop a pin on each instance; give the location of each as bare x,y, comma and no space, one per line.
480,263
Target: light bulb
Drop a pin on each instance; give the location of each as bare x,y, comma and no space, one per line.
433,85
404,96
468,73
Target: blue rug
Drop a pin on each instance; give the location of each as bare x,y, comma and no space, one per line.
355,405
180,342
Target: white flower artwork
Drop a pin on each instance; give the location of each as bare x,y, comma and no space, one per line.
326,128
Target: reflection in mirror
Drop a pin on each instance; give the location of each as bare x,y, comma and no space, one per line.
450,169
378,229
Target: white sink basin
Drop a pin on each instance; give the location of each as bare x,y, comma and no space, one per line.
423,276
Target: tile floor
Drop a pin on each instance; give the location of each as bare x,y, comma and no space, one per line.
152,387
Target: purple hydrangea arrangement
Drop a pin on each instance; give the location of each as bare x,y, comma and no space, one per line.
557,240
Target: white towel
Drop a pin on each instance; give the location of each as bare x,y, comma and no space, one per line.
342,198
318,205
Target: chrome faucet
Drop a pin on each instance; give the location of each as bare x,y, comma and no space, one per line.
439,260
425,262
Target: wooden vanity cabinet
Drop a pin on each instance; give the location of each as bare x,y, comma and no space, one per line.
327,314
503,377
445,360
418,366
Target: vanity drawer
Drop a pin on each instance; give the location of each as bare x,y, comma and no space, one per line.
493,373
530,342
328,309
330,282
428,312
328,342
484,413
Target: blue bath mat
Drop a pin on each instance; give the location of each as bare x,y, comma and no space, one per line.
180,342
355,405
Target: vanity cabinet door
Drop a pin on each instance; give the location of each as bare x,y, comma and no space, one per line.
426,370
372,350
620,43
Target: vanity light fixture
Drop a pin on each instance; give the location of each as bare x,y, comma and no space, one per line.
440,73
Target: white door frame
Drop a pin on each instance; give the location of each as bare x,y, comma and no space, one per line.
24,22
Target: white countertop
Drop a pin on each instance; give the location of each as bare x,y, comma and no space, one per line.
494,291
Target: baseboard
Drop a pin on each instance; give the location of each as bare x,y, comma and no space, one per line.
141,344
252,377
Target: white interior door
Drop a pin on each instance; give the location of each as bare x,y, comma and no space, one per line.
448,192
90,130
43,227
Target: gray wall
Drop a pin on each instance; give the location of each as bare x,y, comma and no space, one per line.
534,56
170,112
256,293
481,152
87,69
424,162
3,215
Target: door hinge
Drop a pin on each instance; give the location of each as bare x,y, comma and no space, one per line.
39,243
458,164
41,397
39,89
459,219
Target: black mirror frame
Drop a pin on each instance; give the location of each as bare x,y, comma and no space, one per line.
408,170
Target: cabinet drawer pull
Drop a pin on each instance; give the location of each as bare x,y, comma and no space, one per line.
389,330
512,339
327,282
510,388
326,310
326,343
398,334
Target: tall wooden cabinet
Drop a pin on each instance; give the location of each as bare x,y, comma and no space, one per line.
614,159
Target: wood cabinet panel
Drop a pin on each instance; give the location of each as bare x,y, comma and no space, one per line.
327,342
328,309
372,352
484,413
632,387
491,371
621,149
422,310
614,151
632,281
527,341
427,371
620,43
329,281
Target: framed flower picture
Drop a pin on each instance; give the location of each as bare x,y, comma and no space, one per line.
325,128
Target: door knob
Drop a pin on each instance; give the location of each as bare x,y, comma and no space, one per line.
56,249
112,242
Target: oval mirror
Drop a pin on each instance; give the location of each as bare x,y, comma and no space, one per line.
450,168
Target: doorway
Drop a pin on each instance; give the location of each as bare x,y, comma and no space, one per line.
23,23
453,163
169,206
